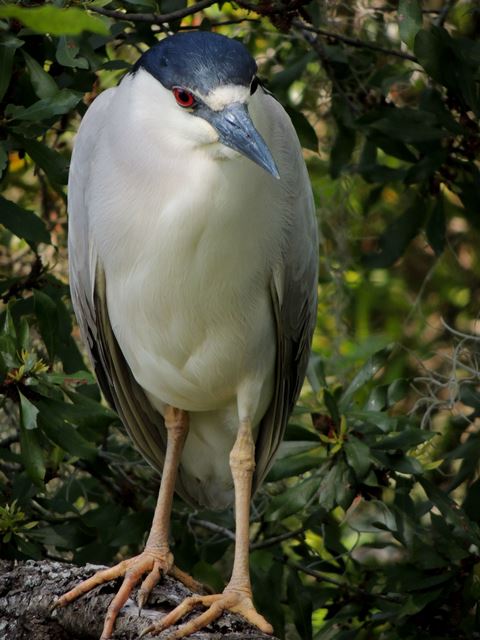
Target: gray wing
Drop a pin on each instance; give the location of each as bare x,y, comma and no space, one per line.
295,323
293,294
143,423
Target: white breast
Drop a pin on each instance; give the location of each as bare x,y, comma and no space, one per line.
188,244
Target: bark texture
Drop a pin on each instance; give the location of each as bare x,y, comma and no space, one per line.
28,589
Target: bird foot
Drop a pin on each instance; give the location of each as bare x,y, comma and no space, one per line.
153,562
231,600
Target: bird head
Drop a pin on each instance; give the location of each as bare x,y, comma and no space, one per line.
210,80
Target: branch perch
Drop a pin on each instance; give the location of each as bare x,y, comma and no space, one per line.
28,589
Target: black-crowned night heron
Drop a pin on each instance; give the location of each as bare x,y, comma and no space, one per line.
193,266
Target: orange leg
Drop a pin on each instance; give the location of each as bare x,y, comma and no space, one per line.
156,559
237,595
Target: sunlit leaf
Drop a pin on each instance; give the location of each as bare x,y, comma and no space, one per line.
53,20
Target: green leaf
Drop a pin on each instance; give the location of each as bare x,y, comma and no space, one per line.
3,158
391,147
331,405
70,440
28,413
337,486
366,373
23,223
395,239
452,62
426,167
8,351
8,328
409,20
407,125
42,82
472,500
342,150
67,54
47,316
281,81
405,440
23,334
397,391
432,48
358,456
6,63
451,511
54,20
293,500
268,579
305,131
377,400
285,467
32,454
54,165
82,415
300,603
62,102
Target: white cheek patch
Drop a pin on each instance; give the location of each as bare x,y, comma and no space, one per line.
228,94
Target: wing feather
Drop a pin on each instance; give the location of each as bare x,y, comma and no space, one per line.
293,291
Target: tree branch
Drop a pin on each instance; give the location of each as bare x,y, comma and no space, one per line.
211,526
31,281
353,42
155,18
262,544
27,590
268,542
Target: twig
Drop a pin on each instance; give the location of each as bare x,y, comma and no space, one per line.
353,42
317,574
342,585
216,528
211,526
280,538
32,280
155,18
443,13
222,24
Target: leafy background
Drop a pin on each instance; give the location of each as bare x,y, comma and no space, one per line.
368,526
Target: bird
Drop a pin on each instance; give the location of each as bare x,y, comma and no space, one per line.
193,262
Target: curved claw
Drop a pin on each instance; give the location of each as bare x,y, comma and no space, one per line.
148,584
152,563
236,602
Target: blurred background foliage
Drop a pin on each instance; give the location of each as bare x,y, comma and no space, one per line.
368,526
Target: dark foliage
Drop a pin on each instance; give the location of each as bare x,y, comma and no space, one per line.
368,526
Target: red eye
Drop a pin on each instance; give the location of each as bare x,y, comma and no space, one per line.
183,97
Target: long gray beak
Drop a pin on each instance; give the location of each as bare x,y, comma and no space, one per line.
235,129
